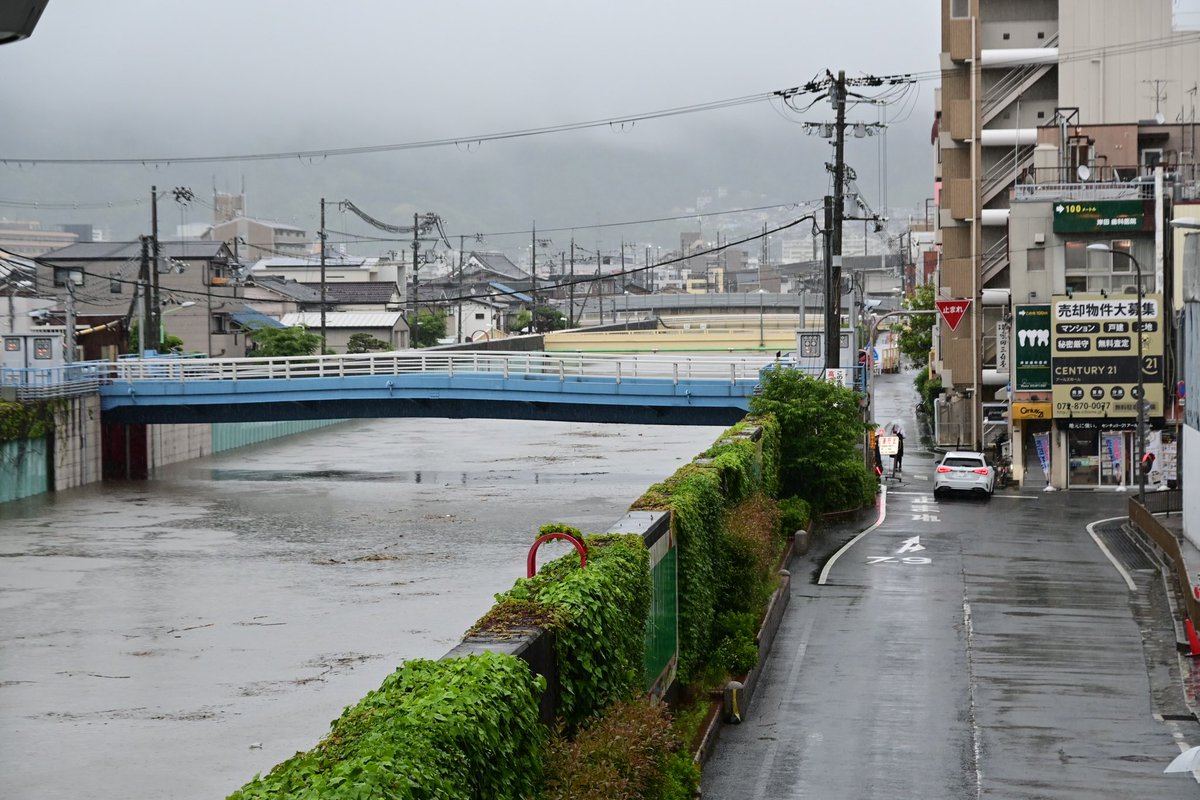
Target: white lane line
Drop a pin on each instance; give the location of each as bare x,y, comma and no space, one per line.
1121,569
883,493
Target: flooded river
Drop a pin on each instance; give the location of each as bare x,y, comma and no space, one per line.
171,638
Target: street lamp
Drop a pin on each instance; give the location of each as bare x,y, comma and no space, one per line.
1100,247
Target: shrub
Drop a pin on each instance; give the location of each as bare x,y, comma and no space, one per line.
850,486
795,514
625,754
750,546
465,727
736,634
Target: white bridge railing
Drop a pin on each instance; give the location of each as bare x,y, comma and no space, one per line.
564,366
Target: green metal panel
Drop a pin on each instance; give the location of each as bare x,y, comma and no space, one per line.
232,435
24,469
662,629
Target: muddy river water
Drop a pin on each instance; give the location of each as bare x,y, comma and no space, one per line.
171,638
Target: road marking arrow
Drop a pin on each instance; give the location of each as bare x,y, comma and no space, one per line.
911,545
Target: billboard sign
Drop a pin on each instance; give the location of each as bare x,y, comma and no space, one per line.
1032,351
1102,216
1094,359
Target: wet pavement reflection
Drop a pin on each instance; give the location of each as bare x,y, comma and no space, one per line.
171,638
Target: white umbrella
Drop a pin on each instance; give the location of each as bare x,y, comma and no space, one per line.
1187,761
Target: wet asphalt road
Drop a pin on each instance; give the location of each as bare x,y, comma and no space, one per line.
170,639
963,649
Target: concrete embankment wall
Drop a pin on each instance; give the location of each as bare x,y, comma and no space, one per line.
81,450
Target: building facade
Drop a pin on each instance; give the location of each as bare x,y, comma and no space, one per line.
1062,155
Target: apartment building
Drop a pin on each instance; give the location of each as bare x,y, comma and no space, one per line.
1066,142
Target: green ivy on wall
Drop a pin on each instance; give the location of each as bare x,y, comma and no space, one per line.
598,614
19,421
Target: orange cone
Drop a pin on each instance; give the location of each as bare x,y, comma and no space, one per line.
1193,639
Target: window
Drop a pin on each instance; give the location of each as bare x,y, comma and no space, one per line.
42,348
12,344
479,315
1121,263
1035,259
64,274
220,323
1075,258
960,9
1151,157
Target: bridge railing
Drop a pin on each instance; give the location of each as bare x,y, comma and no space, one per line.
564,366
43,383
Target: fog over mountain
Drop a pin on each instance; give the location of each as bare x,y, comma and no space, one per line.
159,80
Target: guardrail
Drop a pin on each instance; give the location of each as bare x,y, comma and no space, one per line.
45,383
1142,517
509,364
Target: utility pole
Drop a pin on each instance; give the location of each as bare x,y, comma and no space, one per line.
533,275
147,315
70,355
322,237
416,251
571,290
156,306
832,311
458,314
837,94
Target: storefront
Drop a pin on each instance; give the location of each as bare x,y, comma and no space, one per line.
1100,454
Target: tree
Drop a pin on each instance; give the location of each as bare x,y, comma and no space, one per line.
431,326
294,341
366,343
821,427
916,335
521,321
549,319
169,343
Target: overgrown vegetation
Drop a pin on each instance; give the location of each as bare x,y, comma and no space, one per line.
598,615
821,429
33,420
460,728
450,729
632,752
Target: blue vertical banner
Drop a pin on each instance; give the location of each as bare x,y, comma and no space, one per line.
1113,448
1042,442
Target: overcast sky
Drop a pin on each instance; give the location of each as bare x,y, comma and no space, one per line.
176,78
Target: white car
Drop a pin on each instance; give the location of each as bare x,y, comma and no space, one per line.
964,471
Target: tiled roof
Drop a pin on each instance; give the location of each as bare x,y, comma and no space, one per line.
379,292
343,319
291,288
121,251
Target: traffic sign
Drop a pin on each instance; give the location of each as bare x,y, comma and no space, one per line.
952,311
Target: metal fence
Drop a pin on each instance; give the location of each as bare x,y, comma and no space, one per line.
44,383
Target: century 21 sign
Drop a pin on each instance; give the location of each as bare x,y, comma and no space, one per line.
1094,355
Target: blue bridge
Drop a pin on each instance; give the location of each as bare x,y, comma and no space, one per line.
648,389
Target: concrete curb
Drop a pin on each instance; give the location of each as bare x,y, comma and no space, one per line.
720,702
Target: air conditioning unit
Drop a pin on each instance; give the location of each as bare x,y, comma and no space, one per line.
1130,290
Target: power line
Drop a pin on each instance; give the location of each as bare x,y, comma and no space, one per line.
612,122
